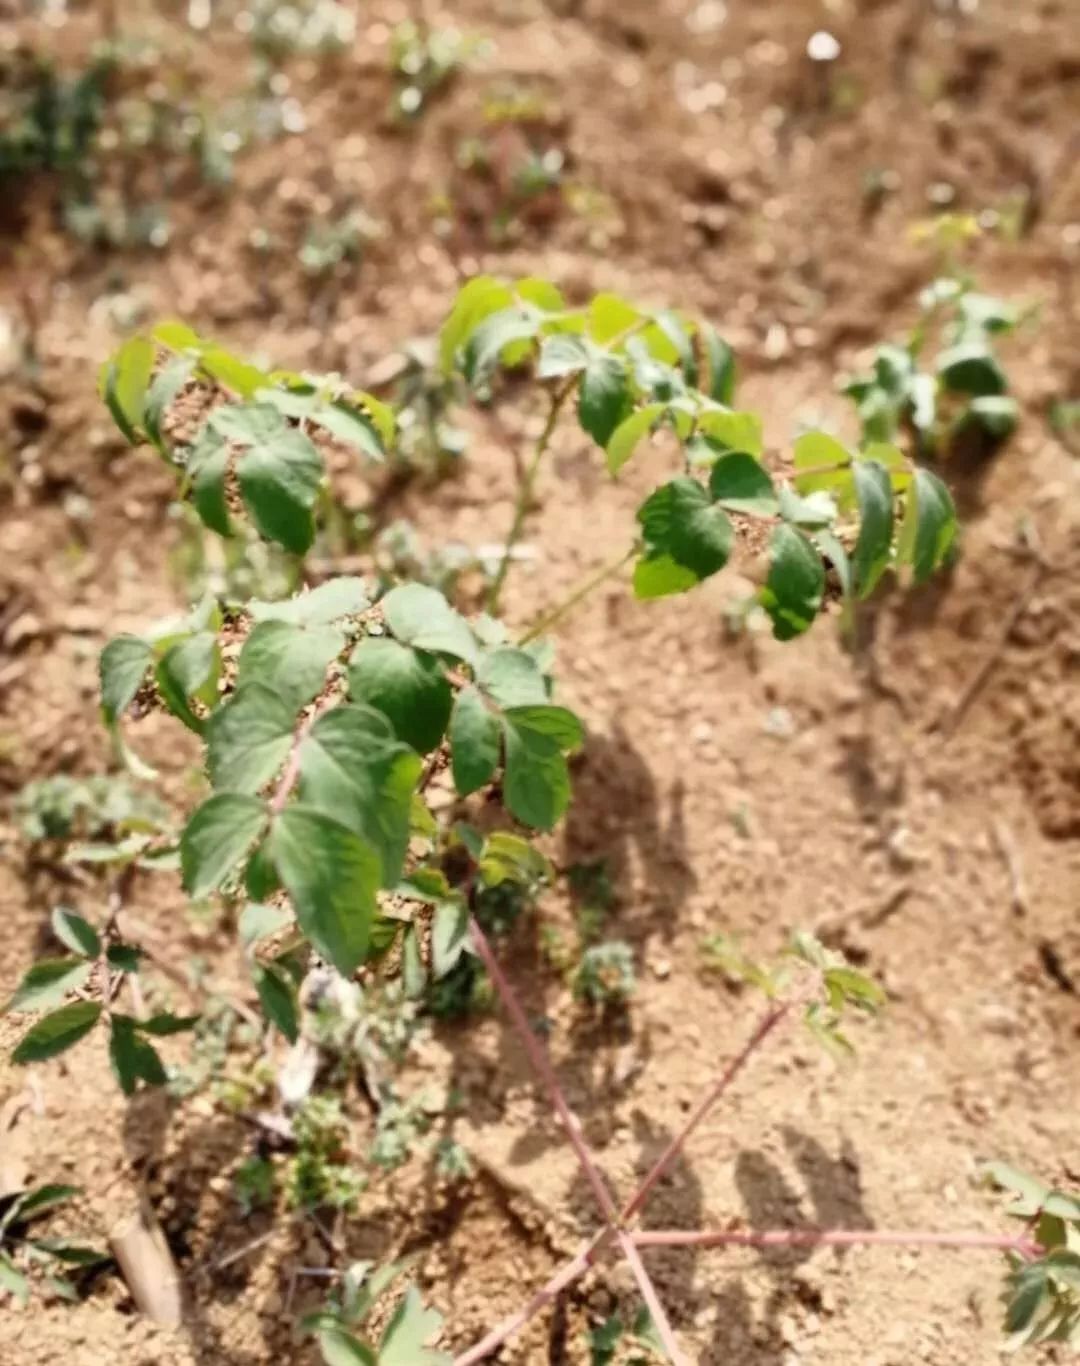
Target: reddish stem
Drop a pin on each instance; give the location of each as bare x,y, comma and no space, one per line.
564,1277
291,771
834,1237
765,1026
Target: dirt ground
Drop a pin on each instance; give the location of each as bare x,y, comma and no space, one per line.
730,784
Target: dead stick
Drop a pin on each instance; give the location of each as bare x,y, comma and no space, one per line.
147,1266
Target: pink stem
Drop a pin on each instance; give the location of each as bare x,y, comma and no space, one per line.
766,1025
564,1277
834,1237
542,1064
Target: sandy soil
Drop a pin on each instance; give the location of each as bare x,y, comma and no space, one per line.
730,784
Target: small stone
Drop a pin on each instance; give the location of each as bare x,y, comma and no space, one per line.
662,968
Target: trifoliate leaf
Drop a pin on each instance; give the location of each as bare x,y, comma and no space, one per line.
131,1057
406,685
681,521
75,933
604,398
421,616
870,559
57,1032
277,996
216,838
48,981
740,483
329,602
475,741
123,665
796,584
354,769
291,660
332,876
248,739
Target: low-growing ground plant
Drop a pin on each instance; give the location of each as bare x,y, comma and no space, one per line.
957,397
378,763
30,1261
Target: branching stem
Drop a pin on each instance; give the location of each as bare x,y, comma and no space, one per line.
525,492
578,595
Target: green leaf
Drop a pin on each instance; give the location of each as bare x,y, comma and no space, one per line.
996,414
332,876
413,972
33,1203
449,934
681,521
124,957
492,341
609,317
176,336
340,1348
476,300
870,559
474,741
406,685
537,782
291,660
509,858
73,1254
57,1032
421,617
132,1058
125,380
260,876
75,933
48,981
720,360
558,723
122,667
671,325
604,398
1031,1193
740,483
626,436
816,510
971,368
216,838
340,419
657,576
280,480
796,584
821,462
13,1281
1029,1292
207,467
190,668
343,597
258,921
560,355
248,739
277,996
929,526
355,770
165,1024
512,677
160,397
736,431
243,379
410,1327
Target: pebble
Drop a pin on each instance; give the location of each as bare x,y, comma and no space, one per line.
661,968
